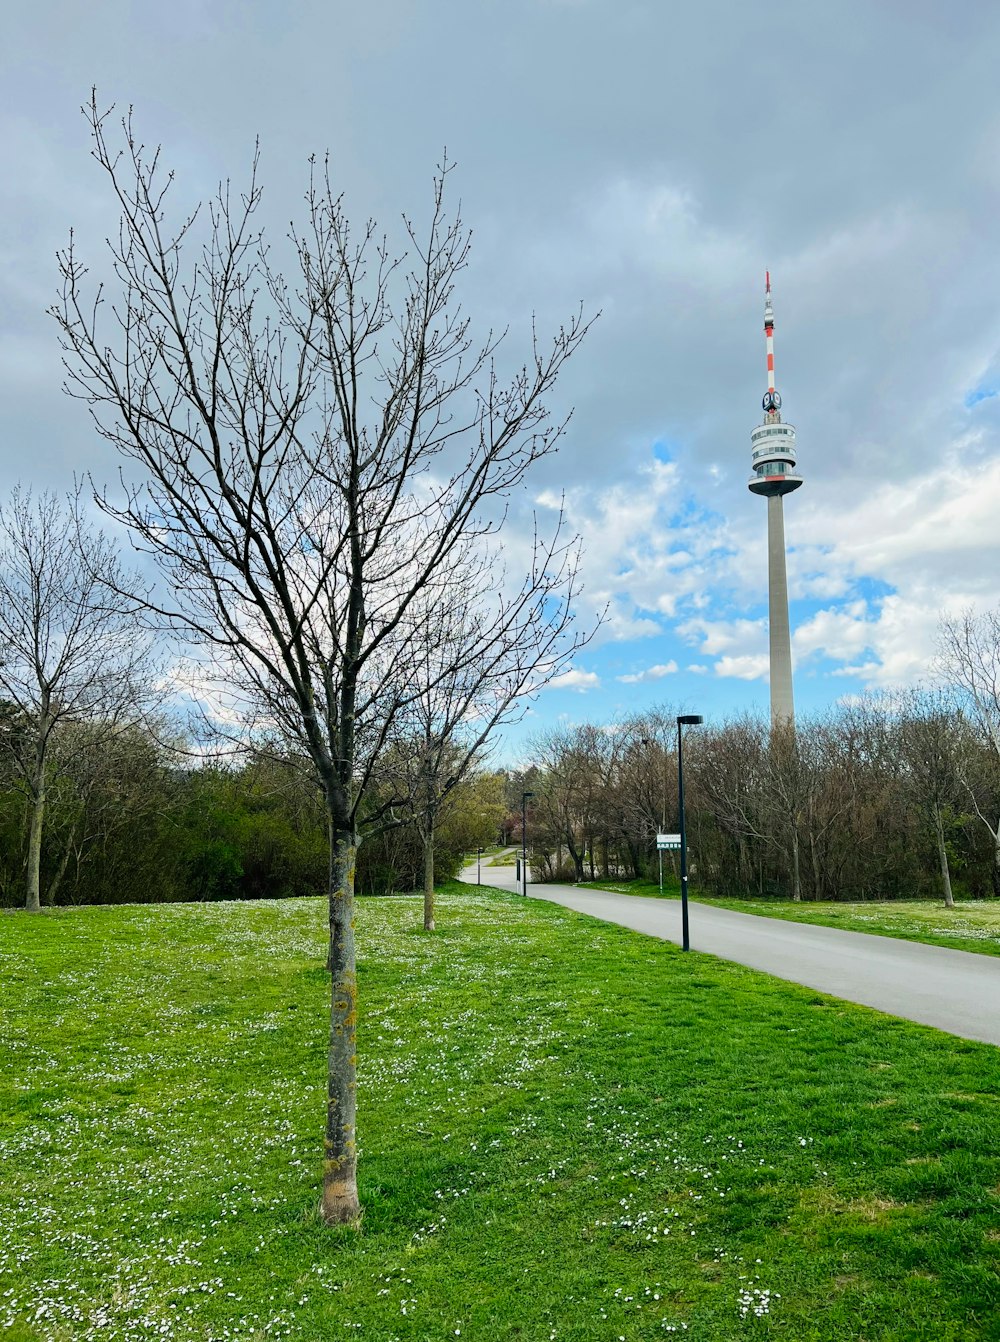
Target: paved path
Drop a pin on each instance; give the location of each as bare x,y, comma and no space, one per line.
957,991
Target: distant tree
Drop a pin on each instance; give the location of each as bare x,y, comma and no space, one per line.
729,782
393,860
933,739
491,651
475,813
313,457
786,779
71,648
969,660
568,792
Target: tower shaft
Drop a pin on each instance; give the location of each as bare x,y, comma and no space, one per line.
779,632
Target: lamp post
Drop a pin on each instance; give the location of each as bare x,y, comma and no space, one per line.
685,720
524,841
479,867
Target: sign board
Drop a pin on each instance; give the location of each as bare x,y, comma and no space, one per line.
668,841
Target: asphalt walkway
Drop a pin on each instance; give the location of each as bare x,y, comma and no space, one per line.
957,991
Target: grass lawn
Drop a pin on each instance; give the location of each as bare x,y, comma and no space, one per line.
569,1131
504,857
972,925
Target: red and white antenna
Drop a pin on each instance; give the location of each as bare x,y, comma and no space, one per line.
773,442
771,401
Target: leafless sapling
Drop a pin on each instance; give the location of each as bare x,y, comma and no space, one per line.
311,458
71,649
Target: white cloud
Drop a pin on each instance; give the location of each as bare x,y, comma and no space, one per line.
746,667
651,673
574,679
722,636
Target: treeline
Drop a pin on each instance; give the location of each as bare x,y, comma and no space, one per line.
131,819
883,799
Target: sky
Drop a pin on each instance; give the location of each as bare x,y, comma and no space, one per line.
648,159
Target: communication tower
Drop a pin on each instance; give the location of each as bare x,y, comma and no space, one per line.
772,446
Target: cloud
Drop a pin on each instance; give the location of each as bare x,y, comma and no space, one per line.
744,667
723,636
574,679
651,673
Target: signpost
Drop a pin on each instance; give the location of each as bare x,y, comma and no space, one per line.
666,843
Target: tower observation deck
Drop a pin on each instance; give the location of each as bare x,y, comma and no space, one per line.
772,447
772,443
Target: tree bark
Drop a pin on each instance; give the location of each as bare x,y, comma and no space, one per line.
340,1203
33,900
428,837
33,891
57,879
949,899
796,871
577,856
817,869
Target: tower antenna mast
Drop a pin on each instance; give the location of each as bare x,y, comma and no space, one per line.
772,447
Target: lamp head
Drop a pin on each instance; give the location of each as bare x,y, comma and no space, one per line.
690,720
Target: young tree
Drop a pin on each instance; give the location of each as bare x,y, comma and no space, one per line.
969,660
932,737
493,649
729,778
70,649
314,456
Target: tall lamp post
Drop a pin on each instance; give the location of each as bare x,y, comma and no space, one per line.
686,720
524,841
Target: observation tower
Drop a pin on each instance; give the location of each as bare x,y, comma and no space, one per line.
772,446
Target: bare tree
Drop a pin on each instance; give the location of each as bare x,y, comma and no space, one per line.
729,779
491,652
70,649
932,738
969,659
314,456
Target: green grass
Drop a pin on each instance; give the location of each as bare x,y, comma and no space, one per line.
492,851
569,1131
649,889
504,857
972,925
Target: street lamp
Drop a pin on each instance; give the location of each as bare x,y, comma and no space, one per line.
685,720
524,841
479,867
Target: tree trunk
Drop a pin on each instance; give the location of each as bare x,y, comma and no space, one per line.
57,879
340,1165
33,901
637,866
949,899
817,869
796,872
428,837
